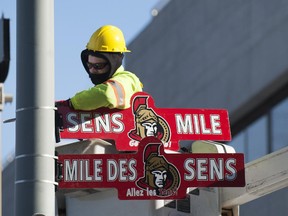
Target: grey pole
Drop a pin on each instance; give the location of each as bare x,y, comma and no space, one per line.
34,177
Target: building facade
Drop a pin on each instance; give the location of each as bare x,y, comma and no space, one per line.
223,54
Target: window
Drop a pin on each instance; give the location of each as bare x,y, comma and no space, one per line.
253,141
279,125
265,135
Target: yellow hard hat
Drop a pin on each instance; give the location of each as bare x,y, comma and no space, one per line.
108,38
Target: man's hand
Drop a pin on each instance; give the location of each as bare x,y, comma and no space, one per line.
66,103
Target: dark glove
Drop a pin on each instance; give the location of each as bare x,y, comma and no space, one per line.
66,103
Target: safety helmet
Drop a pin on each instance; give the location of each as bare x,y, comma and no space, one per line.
107,38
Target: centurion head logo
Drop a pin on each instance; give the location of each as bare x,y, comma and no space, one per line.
147,122
160,177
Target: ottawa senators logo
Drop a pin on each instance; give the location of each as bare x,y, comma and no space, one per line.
147,122
160,176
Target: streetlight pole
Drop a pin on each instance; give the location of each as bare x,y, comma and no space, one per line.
3,99
34,155
4,69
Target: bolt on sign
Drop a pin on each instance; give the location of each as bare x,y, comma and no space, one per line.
128,127
151,173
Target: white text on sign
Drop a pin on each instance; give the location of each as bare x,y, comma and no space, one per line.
196,124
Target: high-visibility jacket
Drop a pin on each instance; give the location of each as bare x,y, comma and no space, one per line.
116,92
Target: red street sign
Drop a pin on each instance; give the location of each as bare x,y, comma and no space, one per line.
128,127
151,173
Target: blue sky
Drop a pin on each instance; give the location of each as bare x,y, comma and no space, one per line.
75,21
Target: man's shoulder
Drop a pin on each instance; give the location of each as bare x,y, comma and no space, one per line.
123,73
126,77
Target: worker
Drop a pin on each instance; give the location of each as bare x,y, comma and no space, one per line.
102,60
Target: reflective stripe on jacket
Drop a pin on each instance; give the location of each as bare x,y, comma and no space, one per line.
114,93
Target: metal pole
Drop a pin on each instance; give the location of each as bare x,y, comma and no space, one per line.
34,181
4,99
1,163
1,108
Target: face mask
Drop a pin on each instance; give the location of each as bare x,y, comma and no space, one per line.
99,78
114,59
